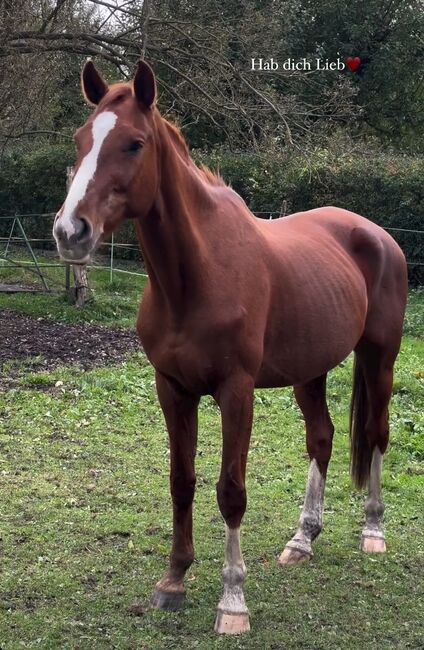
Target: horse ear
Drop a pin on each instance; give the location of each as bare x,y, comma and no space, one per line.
92,84
145,85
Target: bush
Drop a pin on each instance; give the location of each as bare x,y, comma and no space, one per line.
34,181
389,190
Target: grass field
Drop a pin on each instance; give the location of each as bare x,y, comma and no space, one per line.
86,515
112,303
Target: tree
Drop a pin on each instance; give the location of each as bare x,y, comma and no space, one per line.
202,55
387,35
203,64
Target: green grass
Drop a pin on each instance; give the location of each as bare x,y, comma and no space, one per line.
111,304
414,319
86,518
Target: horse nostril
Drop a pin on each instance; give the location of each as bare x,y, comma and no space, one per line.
82,229
73,231
59,232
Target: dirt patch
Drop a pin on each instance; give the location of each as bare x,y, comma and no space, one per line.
47,344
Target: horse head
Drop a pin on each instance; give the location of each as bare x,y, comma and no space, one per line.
116,173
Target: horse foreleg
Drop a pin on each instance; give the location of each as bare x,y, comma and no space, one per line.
319,436
180,411
235,399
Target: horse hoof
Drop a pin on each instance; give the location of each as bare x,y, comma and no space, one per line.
231,623
172,601
373,545
293,556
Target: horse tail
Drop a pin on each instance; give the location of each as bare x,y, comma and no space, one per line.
360,452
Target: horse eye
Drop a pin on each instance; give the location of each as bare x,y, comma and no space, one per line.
134,146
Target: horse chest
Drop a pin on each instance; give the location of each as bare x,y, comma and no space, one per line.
189,360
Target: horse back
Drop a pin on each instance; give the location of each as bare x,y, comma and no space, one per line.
369,246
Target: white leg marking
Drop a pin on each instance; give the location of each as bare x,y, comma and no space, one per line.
101,127
374,507
233,615
311,518
233,574
375,473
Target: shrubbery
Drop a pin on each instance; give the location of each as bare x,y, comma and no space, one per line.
34,181
388,189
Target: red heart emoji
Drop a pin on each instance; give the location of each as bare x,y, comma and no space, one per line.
353,63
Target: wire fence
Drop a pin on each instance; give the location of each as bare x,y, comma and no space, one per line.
18,241
22,253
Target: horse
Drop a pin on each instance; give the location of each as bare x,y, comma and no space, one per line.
235,303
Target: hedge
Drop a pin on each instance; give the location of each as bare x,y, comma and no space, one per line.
388,189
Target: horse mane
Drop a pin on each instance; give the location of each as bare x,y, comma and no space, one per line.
179,142
212,177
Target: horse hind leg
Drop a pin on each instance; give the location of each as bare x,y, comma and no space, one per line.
372,539
319,436
373,381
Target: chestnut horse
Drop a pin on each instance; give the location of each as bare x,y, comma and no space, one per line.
233,303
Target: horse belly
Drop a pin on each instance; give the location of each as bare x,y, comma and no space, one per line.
313,330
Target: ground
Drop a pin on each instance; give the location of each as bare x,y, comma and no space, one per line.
85,515
49,343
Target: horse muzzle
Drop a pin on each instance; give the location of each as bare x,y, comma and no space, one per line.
74,238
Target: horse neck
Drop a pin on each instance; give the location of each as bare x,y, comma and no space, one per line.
172,236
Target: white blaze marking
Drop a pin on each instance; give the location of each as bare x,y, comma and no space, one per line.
102,126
